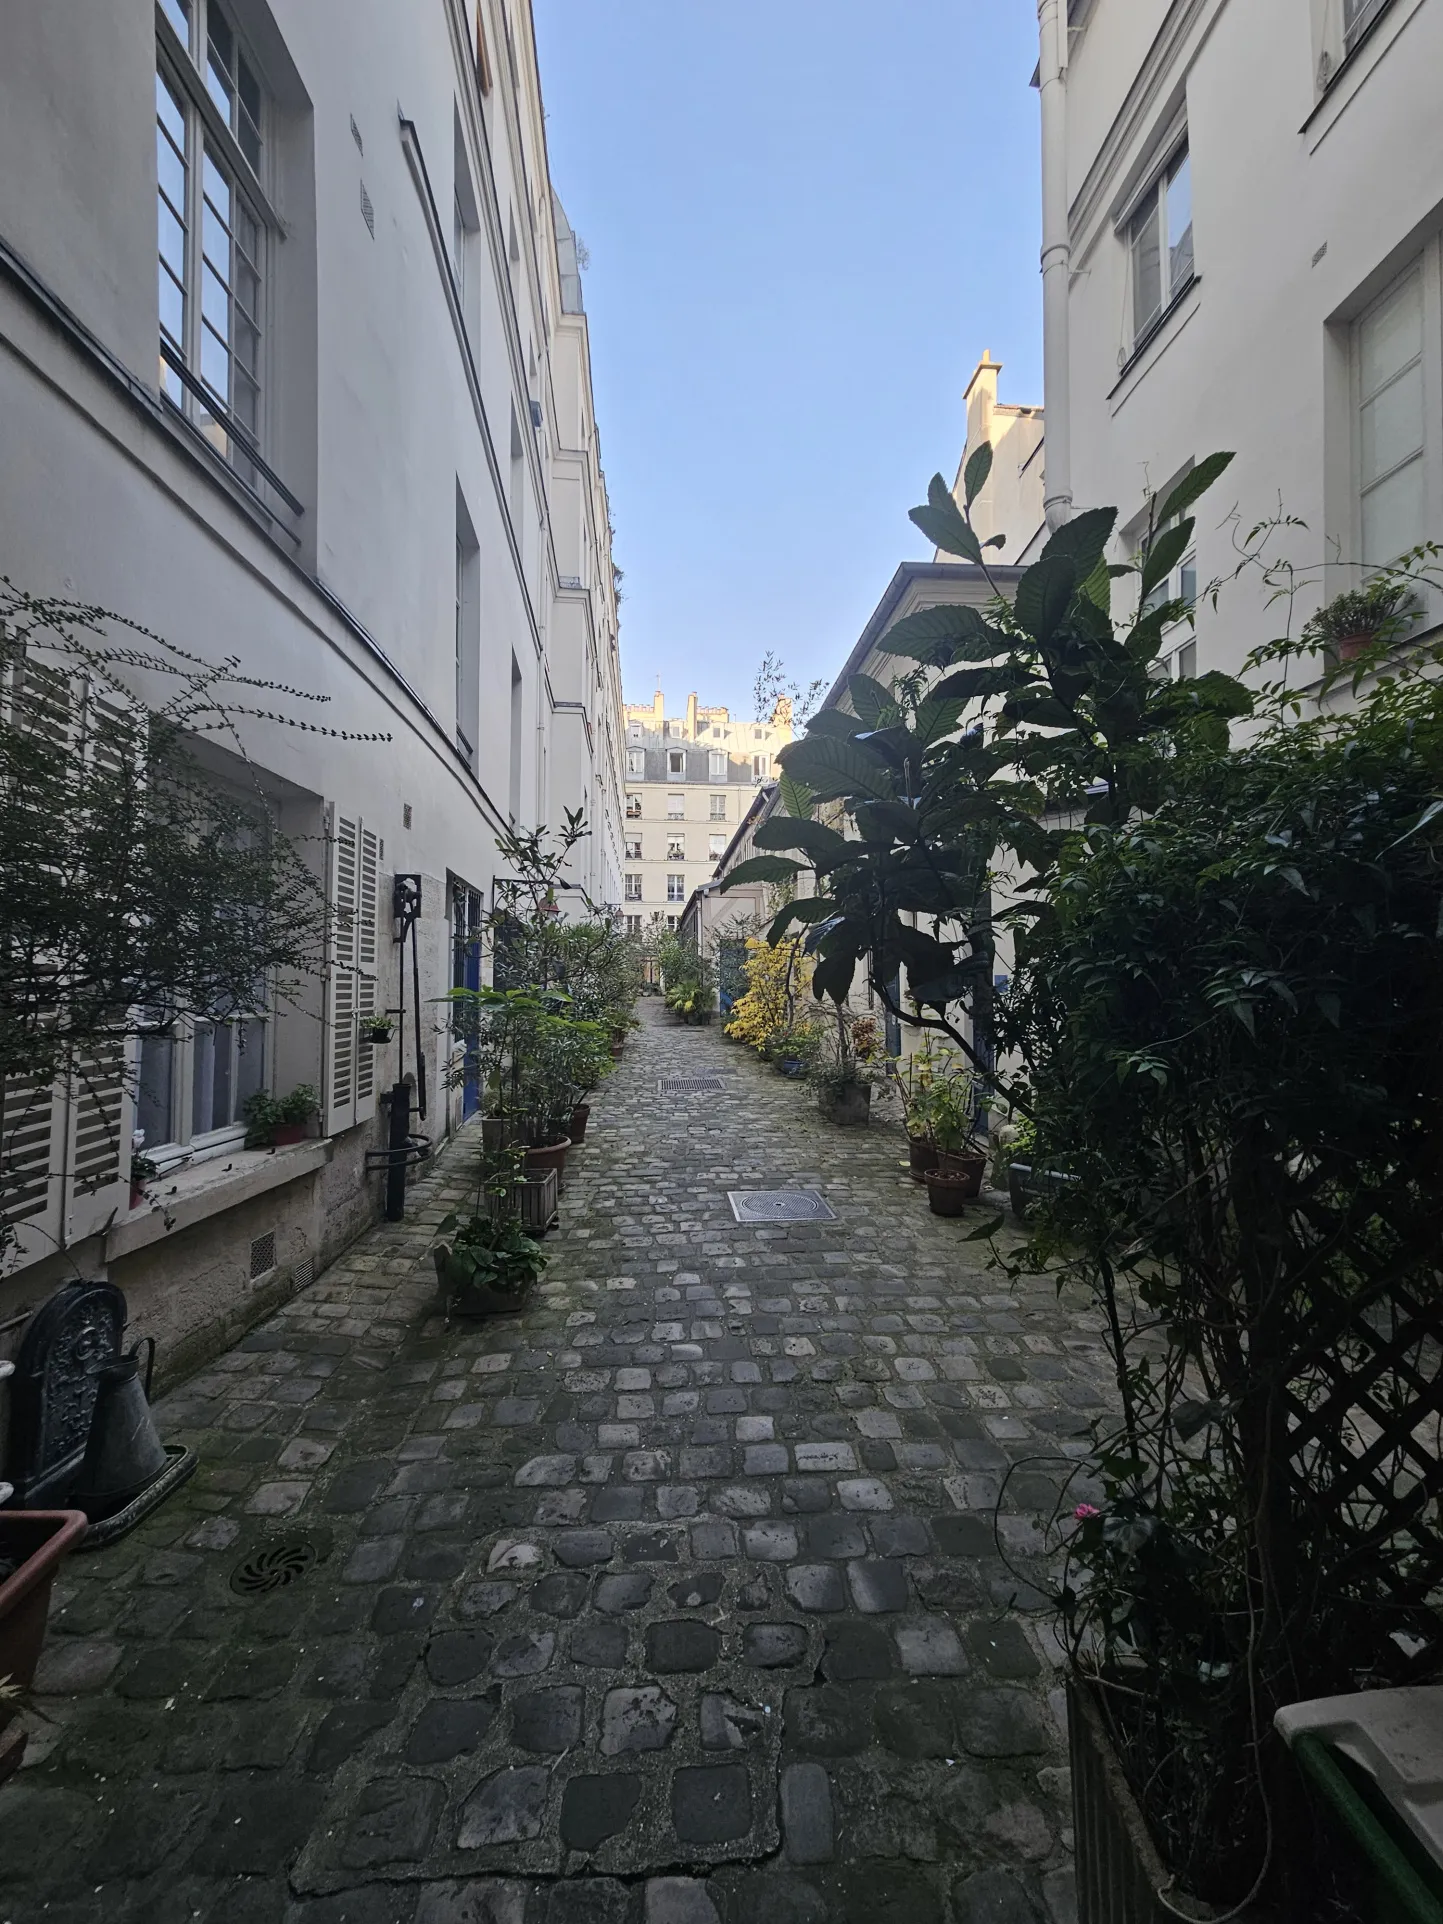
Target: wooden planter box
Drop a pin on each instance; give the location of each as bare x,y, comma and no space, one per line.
534,1201
36,1540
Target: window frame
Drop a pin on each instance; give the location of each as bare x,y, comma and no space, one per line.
761,768
210,136
676,848
676,764
1151,202
718,814
633,807
1425,265
636,764
675,887
633,848
631,888
676,808
185,1143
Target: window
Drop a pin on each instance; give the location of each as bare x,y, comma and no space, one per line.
676,888
633,848
1358,16
192,1085
672,921
676,808
676,763
718,808
468,634
716,762
761,767
633,888
634,731
1180,585
633,925
756,735
716,734
676,848
1160,239
636,761
633,808
1391,417
210,232
716,846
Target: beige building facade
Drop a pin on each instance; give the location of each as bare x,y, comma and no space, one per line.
689,781
294,367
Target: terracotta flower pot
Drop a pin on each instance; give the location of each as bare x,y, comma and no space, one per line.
965,1163
576,1127
1351,646
289,1132
618,1048
921,1156
551,1155
35,1541
947,1195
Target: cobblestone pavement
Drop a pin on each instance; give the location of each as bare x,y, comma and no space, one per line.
673,1599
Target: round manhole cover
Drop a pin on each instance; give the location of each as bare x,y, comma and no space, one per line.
273,1566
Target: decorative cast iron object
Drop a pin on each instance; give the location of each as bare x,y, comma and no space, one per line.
69,1340
273,1566
780,1206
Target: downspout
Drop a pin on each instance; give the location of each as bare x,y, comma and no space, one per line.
1056,262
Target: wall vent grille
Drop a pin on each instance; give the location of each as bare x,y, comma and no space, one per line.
263,1254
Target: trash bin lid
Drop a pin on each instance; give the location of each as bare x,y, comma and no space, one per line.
1397,1737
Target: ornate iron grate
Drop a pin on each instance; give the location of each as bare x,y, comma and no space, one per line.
691,1085
780,1206
273,1566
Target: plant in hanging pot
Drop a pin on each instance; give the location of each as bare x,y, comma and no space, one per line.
274,1123
380,1031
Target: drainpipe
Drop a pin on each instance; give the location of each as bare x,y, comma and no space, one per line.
1056,262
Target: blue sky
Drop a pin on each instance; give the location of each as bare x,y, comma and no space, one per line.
806,219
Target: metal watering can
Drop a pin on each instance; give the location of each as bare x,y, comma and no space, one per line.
124,1453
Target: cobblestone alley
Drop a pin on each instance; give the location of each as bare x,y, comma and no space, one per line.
673,1599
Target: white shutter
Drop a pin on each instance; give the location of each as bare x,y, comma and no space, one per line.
32,1163
100,1119
350,1090
371,849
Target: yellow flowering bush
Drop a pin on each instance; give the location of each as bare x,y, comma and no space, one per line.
777,975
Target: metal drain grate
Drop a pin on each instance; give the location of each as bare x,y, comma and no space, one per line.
780,1206
273,1567
691,1085
263,1254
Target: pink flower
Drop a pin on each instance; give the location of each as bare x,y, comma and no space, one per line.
1084,1511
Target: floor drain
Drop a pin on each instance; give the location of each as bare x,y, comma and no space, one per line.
691,1085
272,1567
780,1206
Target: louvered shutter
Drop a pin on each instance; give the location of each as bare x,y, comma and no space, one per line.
32,1162
370,849
350,1093
97,1159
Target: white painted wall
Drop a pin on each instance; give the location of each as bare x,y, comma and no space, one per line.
1307,201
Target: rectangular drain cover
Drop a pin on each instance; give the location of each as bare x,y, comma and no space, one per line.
780,1206
691,1085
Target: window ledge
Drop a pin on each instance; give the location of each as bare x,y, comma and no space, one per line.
202,1190
1153,331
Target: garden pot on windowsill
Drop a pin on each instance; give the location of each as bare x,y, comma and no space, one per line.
286,1134
921,1157
35,1541
965,1163
849,1106
947,1195
576,1125
550,1155
1349,647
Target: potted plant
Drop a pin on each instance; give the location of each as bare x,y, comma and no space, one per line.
490,1264
32,1542
1362,618
916,1076
379,1031
842,1067
276,1122
143,1169
954,1115
948,1193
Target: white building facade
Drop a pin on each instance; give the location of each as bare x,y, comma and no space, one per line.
1241,250
294,368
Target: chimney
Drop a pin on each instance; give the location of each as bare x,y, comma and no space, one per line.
658,712
981,398
691,716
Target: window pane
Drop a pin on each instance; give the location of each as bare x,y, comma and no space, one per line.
214,364
172,311
170,170
250,1060
154,1092
1393,518
1146,267
1179,224
248,113
172,241
1391,336
177,12
1392,424
167,110
214,301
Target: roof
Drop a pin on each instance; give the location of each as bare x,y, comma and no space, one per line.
885,612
